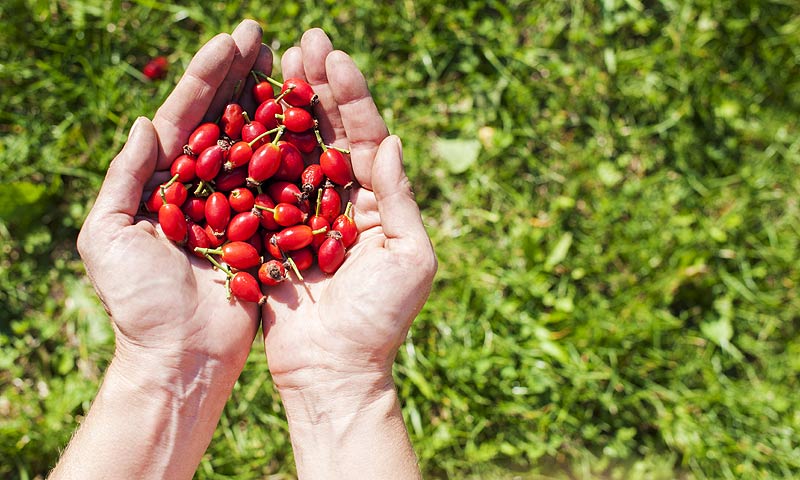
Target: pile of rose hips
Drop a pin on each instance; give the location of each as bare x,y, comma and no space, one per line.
242,197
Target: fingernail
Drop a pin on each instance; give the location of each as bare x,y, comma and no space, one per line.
399,146
136,128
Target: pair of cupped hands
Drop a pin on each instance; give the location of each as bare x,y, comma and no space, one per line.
169,308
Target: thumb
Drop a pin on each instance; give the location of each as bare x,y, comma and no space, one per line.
400,217
119,197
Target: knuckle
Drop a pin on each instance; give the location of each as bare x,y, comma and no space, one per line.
406,186
431,264
86,235
421,260
83,242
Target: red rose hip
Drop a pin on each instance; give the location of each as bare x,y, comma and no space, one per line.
173,223
245,287
203,137
331,253
243,226
346,226
239,255
299,93
271,273
218,212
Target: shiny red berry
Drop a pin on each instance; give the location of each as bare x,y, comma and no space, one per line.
209,163
272,246
292,163
232,121
241,199
227,181
311,178
262,91
317,222
330,254
195,208
297,237
245,287
173,223
203,137
251,131
300,93
303,258
335,166
265,113
218,212
284,192
330,203
306,142
243,226
197,238
240,255
175,194
184,168
346,226
297,119
263,164
272,272
287,214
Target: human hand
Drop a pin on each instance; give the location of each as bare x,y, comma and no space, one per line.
180,344
331,340
165,305
347,327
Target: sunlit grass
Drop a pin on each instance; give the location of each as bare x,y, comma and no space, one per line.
611,189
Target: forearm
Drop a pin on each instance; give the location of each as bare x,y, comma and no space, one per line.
149,420
339,431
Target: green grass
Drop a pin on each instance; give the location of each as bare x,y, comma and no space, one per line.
611,188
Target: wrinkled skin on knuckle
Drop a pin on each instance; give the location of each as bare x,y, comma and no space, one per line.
431,265
406,186
84,242
419,261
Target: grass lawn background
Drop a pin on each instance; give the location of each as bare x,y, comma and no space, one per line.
611,188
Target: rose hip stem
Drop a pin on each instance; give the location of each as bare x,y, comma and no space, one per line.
164,186
268,132
203,189
326,147
294,268
206,252
269,79
274,82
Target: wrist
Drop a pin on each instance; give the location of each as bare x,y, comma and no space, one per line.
349,428
152,418
325,399
177,372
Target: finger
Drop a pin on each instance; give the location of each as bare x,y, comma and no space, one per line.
292,63
186,106
247,37
316,46
362,122
118,200
400,217
262,64
157,179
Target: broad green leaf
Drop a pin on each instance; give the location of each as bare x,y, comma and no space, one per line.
721,332
458,154
559,252
608,174
16,196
